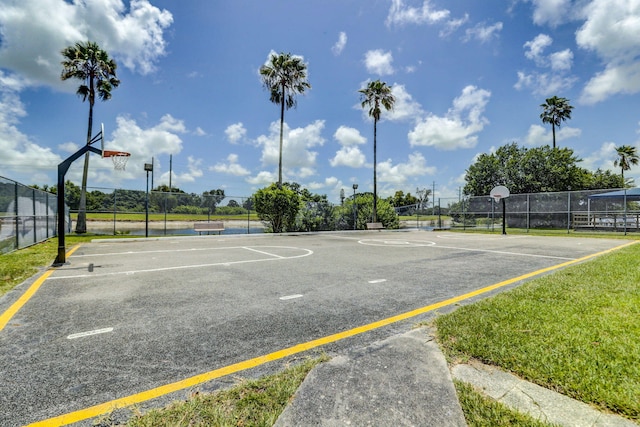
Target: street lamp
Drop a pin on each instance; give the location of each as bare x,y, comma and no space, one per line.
148,167
355,207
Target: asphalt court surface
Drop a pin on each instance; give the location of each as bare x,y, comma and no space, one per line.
122,318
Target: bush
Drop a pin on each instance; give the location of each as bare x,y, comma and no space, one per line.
278,207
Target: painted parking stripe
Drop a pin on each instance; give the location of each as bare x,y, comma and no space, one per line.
89,333
377,281
288,297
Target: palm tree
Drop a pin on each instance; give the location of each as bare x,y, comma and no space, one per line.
92,65
627,156
285,76
376,93
555,111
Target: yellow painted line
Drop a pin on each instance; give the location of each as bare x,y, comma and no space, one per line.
11,311
103,408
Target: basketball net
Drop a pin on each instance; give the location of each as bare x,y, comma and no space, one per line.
497,198
119,159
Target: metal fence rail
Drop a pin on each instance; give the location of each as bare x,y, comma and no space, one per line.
27,215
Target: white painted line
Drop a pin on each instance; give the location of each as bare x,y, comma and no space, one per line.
505,253
378,281
305,252
89,333
290,297
262,252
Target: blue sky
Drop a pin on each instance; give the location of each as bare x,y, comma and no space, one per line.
468,76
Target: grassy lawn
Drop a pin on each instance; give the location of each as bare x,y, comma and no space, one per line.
250,403
576,331
17,266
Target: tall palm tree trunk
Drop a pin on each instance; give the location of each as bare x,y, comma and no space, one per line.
81,223
281,137
375,179
553,130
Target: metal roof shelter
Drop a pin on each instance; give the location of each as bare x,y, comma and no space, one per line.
631,194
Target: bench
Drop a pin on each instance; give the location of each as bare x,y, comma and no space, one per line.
375,226
208,226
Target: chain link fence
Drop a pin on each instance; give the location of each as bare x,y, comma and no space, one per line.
568,210
27,215
121,211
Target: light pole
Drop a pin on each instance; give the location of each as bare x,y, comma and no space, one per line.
148,167
355,207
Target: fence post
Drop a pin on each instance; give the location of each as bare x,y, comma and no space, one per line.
35,220
569,211
528,212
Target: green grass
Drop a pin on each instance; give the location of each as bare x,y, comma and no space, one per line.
250,403
576,331
18,266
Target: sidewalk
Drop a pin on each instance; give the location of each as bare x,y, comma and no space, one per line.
405,381
401,381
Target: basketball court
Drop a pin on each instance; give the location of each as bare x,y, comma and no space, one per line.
147,321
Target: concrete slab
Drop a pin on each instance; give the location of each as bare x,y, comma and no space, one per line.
541,403
401,381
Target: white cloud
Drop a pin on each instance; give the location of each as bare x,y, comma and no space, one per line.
603,158
458,128
483,33
399,14
20,155
561,61
557,78
552,12
539,135
350,154
162,138
452,25
611,30
35,31
298,158
231,167
535,48
349,136
331,182
399,173
263,179
544,83
379,62
340,44
405,108
236,132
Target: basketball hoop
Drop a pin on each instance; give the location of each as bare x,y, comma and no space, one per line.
119,158
498,193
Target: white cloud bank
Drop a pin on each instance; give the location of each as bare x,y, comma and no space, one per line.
35,31
459,127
